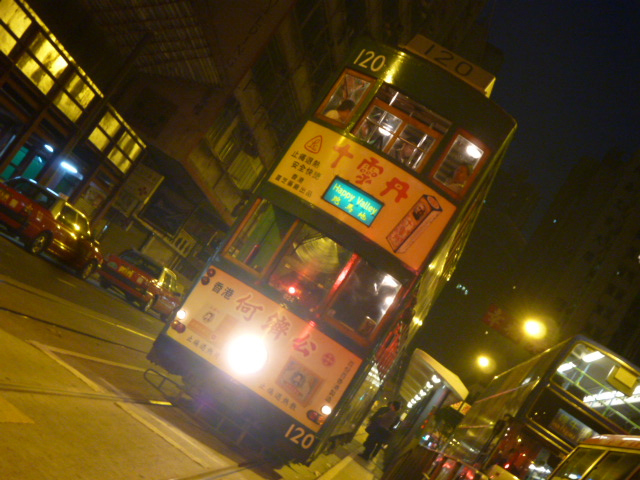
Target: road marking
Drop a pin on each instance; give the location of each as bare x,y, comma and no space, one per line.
65,282
190,447
88,357
47,350
10,414
198,452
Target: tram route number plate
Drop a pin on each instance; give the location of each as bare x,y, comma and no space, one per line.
454,64
300,436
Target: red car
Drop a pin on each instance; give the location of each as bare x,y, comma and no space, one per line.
44,221
143,281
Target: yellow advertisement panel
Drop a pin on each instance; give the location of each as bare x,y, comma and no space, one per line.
303,368
365,191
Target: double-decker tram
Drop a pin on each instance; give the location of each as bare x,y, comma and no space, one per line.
305,302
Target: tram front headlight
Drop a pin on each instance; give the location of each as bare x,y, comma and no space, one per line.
246,354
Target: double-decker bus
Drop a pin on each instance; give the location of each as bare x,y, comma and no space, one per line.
531,416
303,307
603,457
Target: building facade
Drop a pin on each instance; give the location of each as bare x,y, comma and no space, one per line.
582,271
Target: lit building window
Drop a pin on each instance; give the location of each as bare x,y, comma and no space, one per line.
127,148
75,97
42,63
16,21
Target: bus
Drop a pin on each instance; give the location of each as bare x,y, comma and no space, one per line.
603,457
303,309
531,416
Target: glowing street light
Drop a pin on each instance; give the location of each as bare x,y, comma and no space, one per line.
483,361
535,329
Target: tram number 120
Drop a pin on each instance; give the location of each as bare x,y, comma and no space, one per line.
369,59
299,436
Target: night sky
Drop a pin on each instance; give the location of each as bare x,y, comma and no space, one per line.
571,78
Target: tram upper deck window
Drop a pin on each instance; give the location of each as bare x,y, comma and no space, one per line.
401,128
460,165
345,97
261,236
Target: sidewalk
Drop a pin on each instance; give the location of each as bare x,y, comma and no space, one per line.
342,464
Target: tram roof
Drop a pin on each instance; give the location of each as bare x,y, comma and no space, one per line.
422,367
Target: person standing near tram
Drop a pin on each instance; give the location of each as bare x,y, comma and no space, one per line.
380,428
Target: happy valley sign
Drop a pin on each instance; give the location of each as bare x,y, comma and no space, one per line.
353,201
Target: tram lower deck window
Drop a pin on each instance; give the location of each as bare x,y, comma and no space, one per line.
261,236
315,276
307,271
364,298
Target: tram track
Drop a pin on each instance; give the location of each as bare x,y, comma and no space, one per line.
34,389
65,304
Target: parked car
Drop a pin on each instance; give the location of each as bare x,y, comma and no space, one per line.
45,221
143,281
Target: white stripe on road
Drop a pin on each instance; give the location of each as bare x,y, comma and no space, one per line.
193,449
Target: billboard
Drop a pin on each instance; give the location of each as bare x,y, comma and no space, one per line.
366,192
304,369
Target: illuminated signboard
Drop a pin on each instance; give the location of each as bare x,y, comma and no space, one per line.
353,201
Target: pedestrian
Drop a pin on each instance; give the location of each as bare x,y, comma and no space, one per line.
379,429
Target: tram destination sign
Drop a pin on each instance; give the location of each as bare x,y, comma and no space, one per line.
466,71
353,201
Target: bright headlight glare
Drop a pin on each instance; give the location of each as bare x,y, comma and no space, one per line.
182,314
246,354
326,409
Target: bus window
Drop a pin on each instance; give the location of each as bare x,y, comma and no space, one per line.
308,269
586,374
363,298
460,165
260,237
599,464
580,461
615,466
345,98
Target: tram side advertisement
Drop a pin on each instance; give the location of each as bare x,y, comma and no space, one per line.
365,191
276,354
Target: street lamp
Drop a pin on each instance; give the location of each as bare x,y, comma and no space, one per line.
481,376
535,329
483,362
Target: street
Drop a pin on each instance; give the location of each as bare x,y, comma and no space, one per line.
73,399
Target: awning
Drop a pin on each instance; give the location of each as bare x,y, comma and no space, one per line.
422,368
